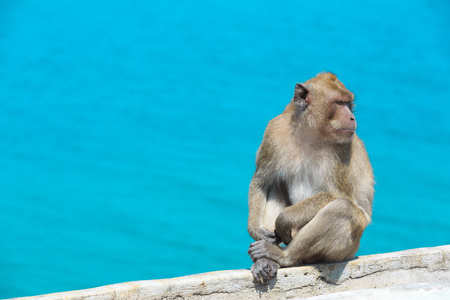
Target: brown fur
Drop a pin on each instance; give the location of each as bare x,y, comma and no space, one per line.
313,184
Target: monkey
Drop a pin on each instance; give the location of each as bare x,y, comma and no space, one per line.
313,186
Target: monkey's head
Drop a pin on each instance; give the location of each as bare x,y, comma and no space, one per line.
324,109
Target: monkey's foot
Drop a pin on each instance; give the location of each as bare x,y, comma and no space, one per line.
264,269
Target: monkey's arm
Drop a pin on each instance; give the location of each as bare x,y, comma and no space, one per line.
257,200
294,217
332,235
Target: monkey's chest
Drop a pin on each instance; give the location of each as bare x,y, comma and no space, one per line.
307,176
307,182
300,189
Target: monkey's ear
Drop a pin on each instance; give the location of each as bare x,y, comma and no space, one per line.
300,96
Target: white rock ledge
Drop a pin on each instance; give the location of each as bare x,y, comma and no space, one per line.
396,275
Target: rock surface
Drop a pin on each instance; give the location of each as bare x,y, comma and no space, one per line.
412,274
439,290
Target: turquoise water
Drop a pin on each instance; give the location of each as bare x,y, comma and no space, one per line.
129,128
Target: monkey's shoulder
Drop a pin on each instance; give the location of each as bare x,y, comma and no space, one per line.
277,142
278,127
361,155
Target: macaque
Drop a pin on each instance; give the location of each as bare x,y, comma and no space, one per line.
313,185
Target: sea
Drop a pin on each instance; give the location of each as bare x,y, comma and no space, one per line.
129,128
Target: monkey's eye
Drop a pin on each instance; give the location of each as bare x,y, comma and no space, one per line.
349,104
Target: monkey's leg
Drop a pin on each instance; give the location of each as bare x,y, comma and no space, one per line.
294,217
332,235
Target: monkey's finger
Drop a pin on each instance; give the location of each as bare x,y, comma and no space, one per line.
277,240
256,255
253,249
270,239
267,271
256,243
253,246
273,274
263,274
252,256
257,276
270,234
273,270
266,231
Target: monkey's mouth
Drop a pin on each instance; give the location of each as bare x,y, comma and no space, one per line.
346,132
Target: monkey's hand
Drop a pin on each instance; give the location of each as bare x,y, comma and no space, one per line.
263,249
264,269
269,236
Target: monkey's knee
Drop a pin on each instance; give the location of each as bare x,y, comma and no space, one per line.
340,226
346,211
